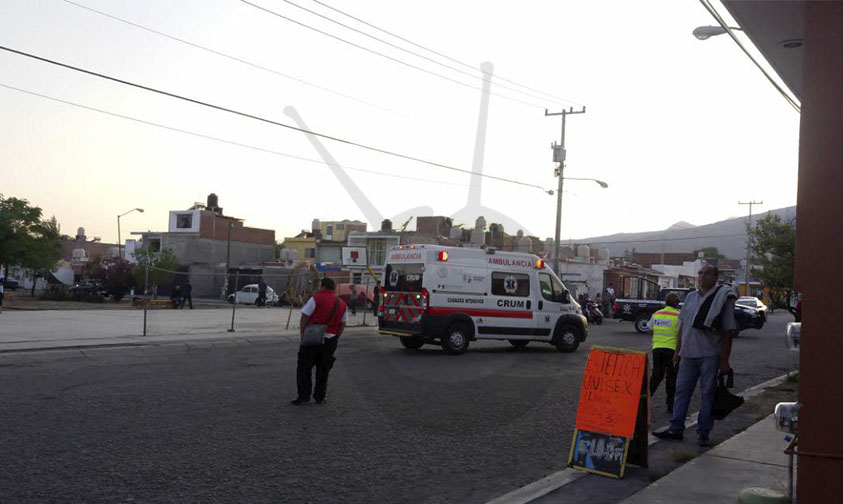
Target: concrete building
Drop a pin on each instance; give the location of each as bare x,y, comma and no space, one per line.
200,238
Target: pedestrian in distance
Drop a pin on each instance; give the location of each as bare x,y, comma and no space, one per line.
609,299
664,328
187,294
377,297
261,293
2,291
352,298
175,297
325,308
707,326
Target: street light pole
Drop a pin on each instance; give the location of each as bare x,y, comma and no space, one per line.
748,242
559,156
119,239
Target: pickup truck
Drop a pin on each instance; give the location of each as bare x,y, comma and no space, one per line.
639,311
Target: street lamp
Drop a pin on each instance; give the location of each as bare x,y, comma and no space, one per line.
602,184
557,244
704,32
119,240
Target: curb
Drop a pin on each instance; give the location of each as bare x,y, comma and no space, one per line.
557,480
136,341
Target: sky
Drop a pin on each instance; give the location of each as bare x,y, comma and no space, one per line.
680,129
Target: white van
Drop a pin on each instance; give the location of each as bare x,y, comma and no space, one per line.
452,295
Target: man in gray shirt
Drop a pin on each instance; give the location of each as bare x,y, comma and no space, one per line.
701,353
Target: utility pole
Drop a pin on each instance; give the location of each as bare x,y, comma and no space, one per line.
227,262
559,157
748,242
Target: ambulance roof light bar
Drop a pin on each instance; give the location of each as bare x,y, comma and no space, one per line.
443,256
539,264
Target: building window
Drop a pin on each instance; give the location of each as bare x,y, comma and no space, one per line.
310,253
376,252
340,227
155,245
329,230
184,221
356,278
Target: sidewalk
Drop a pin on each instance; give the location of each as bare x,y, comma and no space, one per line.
753,458
54,329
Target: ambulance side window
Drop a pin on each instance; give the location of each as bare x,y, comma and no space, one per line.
510,284
546,286
552,289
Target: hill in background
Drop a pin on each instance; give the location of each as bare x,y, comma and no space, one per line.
729,236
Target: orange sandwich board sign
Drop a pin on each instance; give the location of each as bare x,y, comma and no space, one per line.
613,412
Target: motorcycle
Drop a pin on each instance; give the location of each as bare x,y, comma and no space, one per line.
592,313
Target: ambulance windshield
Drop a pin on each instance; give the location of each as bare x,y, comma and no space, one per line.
403,277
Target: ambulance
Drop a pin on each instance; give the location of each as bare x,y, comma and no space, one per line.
451,296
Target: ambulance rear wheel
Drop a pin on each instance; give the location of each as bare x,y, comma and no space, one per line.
455,340
642,324
413,343
518,344
567,339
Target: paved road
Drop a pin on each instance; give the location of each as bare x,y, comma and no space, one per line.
210,422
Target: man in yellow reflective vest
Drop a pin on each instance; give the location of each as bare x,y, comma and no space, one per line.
664,326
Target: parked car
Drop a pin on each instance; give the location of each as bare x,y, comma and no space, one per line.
11,284
639,311
365,299
89,288
249,295
753,302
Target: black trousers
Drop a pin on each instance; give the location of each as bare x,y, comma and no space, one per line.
189,299
322,357
663,365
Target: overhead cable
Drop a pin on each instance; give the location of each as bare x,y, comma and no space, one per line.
223,140
239,60
711,10
263,119
473,75
647,240
386,56
432,51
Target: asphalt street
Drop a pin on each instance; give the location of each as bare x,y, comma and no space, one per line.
211,421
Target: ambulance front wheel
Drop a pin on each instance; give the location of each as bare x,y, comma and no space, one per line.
455,340
413,343
567,339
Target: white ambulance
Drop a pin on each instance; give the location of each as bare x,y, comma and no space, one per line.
452,296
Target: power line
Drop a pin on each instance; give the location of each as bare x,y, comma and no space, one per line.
660,239
473,75
239,60
386,56
437,53
711,10
262,119
222,140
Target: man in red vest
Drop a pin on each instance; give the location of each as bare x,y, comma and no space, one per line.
326,308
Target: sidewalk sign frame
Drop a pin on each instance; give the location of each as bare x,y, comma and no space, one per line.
635,448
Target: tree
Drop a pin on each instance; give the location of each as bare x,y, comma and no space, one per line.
43,250
26,240
161,267
17,218
773,245
117,275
